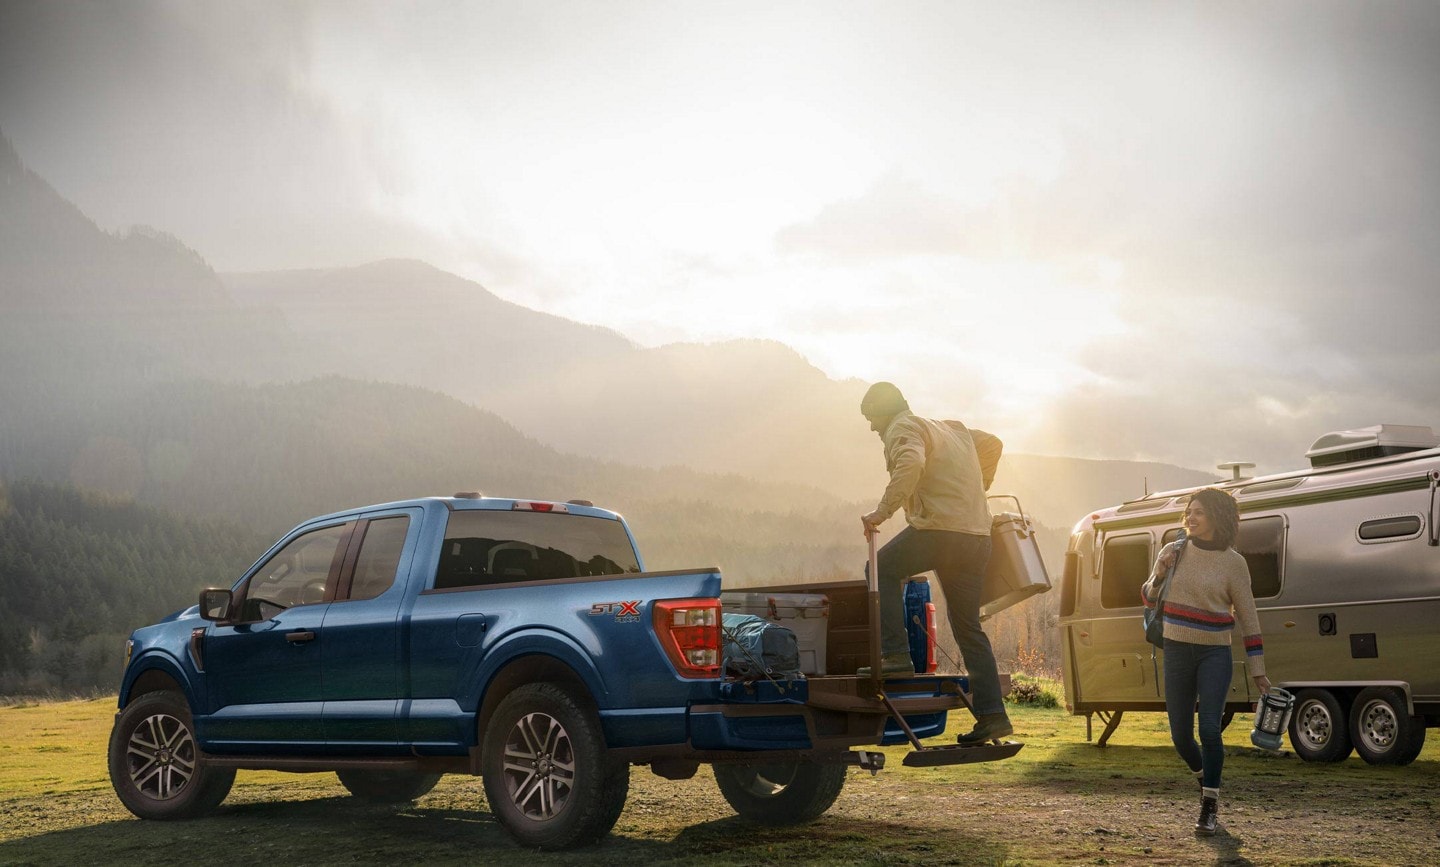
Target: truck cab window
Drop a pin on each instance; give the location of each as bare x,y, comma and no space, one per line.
1124,566
379,558
493,547
298,574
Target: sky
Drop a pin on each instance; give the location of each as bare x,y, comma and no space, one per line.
1171,231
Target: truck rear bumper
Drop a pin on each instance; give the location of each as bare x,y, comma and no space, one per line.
831,713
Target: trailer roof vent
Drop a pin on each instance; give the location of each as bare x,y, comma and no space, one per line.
1376,441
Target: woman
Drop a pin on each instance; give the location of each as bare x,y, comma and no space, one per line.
1211,581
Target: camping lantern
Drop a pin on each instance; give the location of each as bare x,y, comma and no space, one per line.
1272,715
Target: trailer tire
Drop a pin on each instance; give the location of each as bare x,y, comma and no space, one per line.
789,793
156,765
1382,729
549,778
1319,730
387,787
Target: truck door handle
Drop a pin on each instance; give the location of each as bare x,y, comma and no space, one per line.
300,637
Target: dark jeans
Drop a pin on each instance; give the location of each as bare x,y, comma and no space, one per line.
959,561
1198,673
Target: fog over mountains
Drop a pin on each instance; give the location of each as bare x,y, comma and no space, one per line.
230,407
100,325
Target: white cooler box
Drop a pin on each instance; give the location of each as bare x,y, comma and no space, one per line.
805,614
1016,571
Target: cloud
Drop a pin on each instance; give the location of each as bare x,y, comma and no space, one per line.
1277,226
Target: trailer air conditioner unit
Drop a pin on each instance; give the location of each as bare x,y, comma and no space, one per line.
1366,443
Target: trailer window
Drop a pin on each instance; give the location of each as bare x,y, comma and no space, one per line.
1069,583
1389,529
1261,541
1124,566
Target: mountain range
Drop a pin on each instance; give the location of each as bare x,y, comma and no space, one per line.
131,368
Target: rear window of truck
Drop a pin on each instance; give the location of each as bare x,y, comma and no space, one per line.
493,547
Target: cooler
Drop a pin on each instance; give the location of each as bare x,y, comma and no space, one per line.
1016,571
805,614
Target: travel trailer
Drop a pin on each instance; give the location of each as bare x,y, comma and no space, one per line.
1345,565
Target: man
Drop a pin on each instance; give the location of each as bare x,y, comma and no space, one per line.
939,472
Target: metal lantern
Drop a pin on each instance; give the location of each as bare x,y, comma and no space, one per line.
1272,715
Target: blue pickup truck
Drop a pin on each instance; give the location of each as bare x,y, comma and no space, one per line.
521,641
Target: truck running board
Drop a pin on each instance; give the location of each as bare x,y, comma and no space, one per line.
955,754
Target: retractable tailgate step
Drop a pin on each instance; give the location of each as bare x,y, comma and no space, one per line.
955,754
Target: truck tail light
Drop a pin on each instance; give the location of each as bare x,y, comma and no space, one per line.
929,637
689,630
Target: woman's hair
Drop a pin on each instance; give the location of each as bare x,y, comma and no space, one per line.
1221,509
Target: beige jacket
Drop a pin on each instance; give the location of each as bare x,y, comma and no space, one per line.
936,475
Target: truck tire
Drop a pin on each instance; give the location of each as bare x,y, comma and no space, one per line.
387,787
781,794
1319,730
549,778
156,766
1382,729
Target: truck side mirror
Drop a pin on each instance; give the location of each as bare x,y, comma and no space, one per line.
215,603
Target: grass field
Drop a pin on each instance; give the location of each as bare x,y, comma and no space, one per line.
1060,801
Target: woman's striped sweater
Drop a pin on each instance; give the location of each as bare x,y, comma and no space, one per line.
1208,586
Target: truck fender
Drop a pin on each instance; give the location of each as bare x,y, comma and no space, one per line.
536,641
157,662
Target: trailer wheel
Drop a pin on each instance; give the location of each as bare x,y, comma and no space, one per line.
387,787
780,794
548,777
1318,728
157,767
1382,728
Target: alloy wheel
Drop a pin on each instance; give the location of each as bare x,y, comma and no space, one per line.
161,756
539,766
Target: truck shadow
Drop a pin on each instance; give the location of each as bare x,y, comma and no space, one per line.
334,830
318,831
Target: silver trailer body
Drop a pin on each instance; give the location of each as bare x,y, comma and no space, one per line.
1345,566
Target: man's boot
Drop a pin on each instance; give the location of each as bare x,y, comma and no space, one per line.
1209,820
891,665
988,727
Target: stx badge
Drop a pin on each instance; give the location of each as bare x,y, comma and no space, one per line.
625,612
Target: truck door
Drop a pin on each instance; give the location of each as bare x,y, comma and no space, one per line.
263,671
364,681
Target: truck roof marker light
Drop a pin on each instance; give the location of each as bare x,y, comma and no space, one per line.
689,632
526,506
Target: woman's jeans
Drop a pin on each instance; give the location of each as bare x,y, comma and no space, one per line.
959,561
1198,673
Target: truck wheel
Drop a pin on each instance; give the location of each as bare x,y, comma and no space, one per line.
1382,728
781,794
387,787
156,766
1318,728
549,779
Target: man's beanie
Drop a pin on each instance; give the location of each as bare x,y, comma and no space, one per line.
882,400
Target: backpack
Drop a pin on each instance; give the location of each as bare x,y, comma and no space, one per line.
756,648
988,448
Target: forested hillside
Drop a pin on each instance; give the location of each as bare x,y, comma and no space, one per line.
79,572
